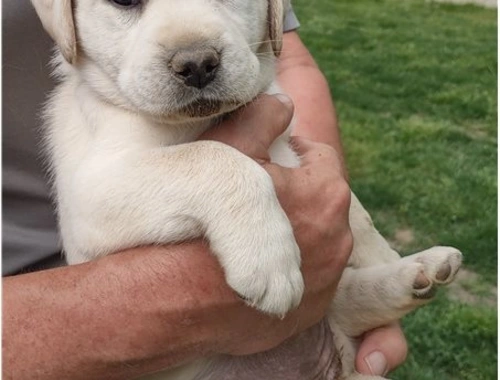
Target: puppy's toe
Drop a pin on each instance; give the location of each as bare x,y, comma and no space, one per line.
449,268
421,281
423,287
270,281
443,272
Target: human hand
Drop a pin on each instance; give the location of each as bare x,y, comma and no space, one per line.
381,350
318,225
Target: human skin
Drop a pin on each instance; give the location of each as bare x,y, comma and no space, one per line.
150,308
301,79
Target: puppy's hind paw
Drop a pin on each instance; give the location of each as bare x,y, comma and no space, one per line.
437,266
441,263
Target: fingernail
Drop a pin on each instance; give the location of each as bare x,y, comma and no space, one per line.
285,99
377,363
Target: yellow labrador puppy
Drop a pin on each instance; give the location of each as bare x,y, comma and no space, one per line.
140,81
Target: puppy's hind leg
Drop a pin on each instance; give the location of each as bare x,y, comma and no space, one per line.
375,296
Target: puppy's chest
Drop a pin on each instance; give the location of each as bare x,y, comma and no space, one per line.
138,133
279,151
167,135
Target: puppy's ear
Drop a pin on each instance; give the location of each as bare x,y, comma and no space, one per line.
276,15
57,19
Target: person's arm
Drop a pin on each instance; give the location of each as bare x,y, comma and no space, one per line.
301,79
130,314
146,309
382,349
115,318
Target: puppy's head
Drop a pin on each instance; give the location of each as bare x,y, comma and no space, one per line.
174,59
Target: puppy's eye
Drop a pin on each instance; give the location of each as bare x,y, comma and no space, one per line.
127,3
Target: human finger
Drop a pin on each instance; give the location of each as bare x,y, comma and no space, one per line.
381,350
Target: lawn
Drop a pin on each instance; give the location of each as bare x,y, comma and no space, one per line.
414,84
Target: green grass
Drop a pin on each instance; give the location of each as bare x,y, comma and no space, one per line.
414,84
451,341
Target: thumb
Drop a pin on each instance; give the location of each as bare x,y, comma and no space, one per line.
256,125
381,350
266,118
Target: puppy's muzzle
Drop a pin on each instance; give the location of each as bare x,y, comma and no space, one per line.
195,67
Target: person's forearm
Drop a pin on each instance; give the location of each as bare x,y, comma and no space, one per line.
301,79
101,320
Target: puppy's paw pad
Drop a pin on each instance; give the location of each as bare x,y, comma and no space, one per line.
422,285
444,272
449,269
421,281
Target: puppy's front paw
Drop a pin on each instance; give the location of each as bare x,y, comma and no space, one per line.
269,278
254,242
261,260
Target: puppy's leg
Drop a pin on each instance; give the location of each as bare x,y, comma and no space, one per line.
172,194
370,248
374,296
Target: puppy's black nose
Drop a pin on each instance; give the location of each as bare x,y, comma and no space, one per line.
196,67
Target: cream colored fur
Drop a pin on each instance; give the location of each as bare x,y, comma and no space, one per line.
121,131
